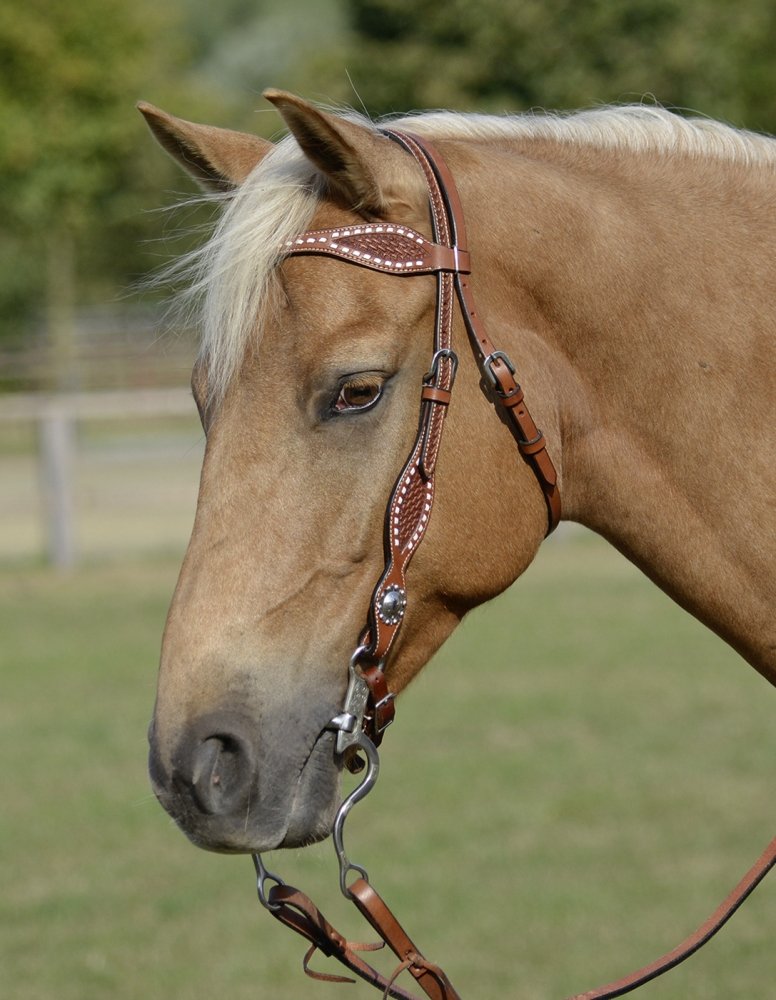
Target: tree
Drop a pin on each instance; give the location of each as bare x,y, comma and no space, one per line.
69,152
495,55
80,175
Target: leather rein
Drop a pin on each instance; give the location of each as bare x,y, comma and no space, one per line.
369,704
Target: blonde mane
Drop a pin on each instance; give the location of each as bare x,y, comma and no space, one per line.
638,128
230,276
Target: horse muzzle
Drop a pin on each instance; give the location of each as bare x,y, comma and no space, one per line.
236,786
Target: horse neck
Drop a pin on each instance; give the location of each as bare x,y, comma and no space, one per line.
616,279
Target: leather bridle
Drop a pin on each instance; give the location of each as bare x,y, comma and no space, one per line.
396,249
369,704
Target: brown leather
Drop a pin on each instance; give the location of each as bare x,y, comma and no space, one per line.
396,249
297,911
522,423
381,701
433,395
429,977
690,945
392,249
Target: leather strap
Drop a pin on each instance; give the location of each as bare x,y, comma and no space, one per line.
496,366
392,249
428,976
297,911
294,909
690,945
396,249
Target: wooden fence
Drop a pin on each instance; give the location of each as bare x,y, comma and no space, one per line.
55,416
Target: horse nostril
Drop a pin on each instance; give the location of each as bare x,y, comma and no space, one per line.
221,774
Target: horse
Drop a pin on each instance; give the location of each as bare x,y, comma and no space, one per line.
623,257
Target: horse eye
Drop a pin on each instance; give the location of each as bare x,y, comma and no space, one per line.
358,394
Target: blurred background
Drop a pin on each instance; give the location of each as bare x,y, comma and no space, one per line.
635,735
85,195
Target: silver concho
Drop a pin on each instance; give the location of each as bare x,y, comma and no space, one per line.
392,604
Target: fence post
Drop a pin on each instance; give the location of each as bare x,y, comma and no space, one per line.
57,450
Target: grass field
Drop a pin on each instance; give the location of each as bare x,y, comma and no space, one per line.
571,786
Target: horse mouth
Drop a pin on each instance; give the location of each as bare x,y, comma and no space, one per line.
311,819
228,797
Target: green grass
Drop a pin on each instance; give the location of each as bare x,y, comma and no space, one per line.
571,786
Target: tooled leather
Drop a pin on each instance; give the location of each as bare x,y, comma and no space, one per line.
408,515
519,415
400,250
298,911
410,505
443,340
386,247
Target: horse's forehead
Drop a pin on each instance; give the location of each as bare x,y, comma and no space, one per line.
328,299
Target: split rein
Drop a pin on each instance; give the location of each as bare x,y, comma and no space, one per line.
369,705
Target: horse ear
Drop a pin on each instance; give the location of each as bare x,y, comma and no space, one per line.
218,158
364,168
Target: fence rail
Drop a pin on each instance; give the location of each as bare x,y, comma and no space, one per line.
55,417
108,404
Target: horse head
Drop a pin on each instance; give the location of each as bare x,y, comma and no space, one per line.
307,385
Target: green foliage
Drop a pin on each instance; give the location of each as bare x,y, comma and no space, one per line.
708,55
72,165
81,177
293,44
61,104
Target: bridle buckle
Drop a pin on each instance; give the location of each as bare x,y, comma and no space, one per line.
433,375
487,368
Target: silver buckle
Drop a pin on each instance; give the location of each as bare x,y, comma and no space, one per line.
432,375
487,367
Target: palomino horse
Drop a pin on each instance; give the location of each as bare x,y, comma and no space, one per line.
623,258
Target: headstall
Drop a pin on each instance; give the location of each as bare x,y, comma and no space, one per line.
369,704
